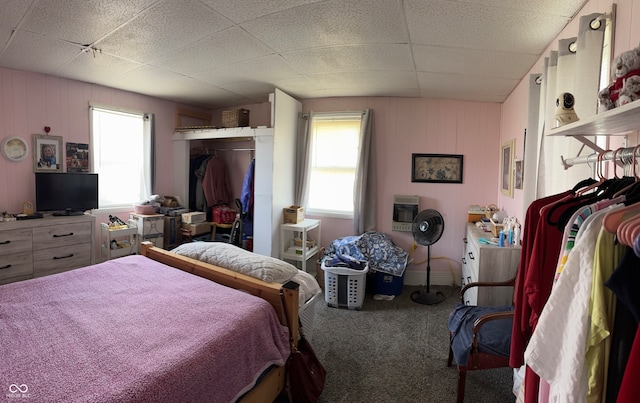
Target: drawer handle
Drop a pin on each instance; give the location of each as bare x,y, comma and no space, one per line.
468,279
471,256
464,240
62,235
5,267
5,242
464,260
63,257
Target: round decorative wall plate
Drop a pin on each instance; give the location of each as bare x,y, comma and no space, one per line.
14,148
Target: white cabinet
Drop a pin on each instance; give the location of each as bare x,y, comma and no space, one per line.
481,262
150,228
118,242
299,242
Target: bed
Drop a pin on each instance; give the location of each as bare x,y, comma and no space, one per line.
137,329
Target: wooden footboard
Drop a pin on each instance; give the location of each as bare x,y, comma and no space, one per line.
273,382
267,291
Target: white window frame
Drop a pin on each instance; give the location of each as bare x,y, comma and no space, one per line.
334,116
146,176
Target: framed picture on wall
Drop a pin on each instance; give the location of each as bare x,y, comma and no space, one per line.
77,157
47,153
506,168
436,168
518,174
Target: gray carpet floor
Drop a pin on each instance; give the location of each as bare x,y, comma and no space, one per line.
396,351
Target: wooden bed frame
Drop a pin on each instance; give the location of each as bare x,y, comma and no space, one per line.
273,382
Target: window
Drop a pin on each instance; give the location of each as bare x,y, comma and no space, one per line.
335,139
122,149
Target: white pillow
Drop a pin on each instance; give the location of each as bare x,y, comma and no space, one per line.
228,256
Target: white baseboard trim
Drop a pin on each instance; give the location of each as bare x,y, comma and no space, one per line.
414,277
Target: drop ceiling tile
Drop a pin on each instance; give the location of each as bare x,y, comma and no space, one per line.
229,46
378,80
263,69
12,12
472,62
352,58
38,53
143,79
470,26
81,21
240,11
337,22
95,68
161,29
566,8
5,34
453,86
257,91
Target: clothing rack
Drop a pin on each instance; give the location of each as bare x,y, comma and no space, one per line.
621,155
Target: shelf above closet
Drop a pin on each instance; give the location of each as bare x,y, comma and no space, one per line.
207,134
617,121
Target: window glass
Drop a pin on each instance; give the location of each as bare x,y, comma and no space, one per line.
122,155
335,139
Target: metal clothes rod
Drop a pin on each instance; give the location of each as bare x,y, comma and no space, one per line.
626,154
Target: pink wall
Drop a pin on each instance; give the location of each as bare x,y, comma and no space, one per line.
30,101
403,126
514,109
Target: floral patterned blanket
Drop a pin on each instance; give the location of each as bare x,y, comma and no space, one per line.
376,248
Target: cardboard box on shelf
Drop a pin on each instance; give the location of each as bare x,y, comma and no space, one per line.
198,228
194,217
293,214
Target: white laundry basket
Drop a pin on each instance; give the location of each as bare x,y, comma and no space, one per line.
344,287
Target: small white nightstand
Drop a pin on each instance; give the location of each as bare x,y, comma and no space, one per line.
295,242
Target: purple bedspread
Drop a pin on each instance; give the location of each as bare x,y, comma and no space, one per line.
133,329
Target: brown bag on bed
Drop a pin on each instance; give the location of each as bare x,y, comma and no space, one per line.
305,373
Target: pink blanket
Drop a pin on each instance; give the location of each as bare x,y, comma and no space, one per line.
133,329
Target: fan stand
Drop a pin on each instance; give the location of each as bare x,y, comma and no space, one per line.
424,296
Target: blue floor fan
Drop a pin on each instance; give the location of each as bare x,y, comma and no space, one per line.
427,229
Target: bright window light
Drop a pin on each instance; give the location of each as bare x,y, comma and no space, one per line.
335,139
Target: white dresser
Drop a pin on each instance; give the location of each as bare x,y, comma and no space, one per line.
43,246
481,262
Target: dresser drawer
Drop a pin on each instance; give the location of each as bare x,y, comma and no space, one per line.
55,236
16,265
15,240
59,259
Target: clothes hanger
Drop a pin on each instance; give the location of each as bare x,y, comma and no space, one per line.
635,174
612,220
601,177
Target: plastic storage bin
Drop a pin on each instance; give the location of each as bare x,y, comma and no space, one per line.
387,284
344,287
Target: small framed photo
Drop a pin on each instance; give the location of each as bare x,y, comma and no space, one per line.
436,168
518,174
77,157
506,168
47,153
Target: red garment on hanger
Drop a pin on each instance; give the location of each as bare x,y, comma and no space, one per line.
216,184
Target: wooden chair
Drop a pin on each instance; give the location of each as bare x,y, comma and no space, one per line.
479,357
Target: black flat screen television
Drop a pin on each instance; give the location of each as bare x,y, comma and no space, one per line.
68,193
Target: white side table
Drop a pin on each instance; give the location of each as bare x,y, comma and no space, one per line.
300,231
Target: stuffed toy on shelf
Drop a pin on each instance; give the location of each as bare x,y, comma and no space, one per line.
625,86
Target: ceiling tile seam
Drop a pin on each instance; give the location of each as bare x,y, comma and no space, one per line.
405,24
269,14
18,26
475,49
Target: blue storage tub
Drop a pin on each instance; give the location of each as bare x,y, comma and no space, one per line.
387,284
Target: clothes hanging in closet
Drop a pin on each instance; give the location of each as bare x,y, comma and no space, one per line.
564,314
216,184
246,198
195,185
